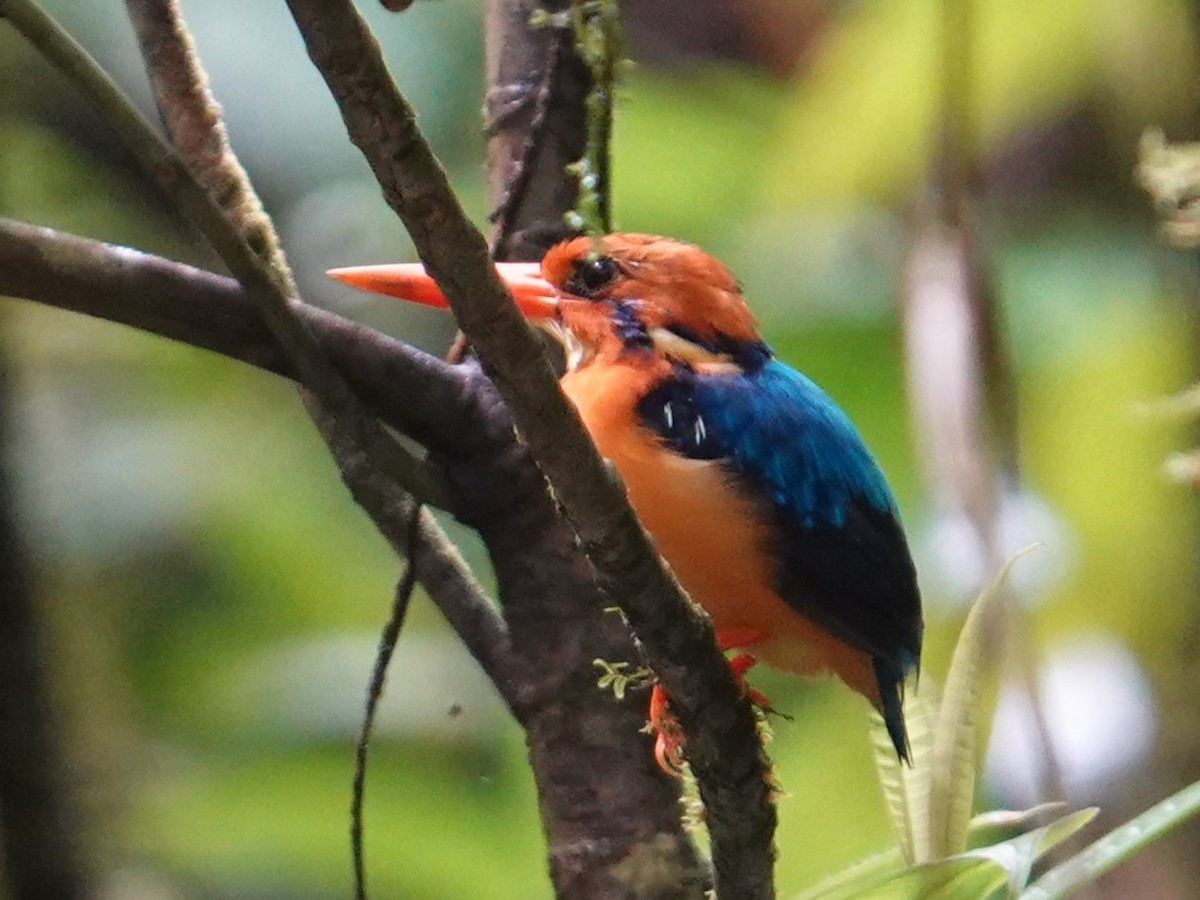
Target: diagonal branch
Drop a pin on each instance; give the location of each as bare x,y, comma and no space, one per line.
444,406
213,312
363,451
193,121
263,283
723,746
607,807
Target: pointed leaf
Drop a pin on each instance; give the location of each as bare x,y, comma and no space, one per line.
853,881
952,774
906,788
1116,846
973,877
956,877
1018,855
995,825
895,793
856,880
977,873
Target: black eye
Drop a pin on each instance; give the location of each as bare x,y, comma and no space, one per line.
589,276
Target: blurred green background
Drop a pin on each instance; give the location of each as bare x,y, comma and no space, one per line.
212,596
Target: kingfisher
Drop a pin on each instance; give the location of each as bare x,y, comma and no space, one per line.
757,488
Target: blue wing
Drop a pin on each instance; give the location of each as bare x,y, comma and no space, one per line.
841,556
784,431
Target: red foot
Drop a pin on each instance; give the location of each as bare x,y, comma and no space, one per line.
668,746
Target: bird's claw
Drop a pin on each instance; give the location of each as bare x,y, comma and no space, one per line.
668,743
669,740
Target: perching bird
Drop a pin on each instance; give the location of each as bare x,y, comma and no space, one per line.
756,487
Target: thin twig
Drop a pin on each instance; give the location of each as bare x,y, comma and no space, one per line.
383,657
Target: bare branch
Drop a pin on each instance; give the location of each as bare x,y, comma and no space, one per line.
677,641
518,128
213,312
536,127
443,405
606,804
193,121
262,282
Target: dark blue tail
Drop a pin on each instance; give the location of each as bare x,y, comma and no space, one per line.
890,678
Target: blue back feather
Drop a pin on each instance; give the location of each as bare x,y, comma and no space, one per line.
780,427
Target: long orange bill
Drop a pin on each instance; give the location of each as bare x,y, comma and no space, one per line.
535,297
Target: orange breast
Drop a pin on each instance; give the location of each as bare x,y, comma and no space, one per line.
712,536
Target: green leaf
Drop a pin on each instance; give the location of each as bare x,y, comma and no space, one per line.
955,877
1018,855
854,880
952,773
975,874
1116,846
995,825
877,879
906,788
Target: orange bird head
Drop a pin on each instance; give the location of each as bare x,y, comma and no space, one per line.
602,292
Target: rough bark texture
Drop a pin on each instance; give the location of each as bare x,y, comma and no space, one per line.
536,127
588,769
611,817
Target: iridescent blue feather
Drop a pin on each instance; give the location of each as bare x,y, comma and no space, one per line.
780,427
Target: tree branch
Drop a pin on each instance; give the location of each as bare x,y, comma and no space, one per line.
193,120
213,312
266,284
611,815
723,745
43,851
443,405
535,127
